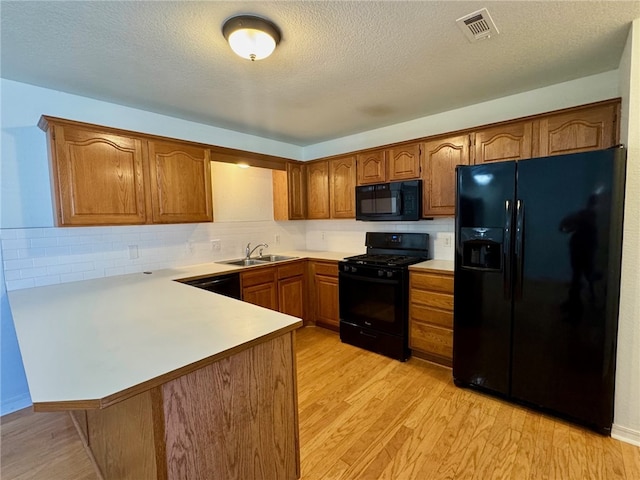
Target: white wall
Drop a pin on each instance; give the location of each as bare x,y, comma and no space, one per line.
241,194
25,195
627,403
568,94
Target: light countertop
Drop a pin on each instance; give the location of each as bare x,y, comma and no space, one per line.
96,341
433,266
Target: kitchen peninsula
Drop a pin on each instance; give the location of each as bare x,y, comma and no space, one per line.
163,380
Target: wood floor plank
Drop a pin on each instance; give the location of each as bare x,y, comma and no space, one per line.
366,416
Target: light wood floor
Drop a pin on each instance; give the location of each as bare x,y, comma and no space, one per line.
363,416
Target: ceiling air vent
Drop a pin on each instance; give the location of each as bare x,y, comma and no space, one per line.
477,25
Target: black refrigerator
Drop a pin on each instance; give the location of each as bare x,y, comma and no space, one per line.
537,281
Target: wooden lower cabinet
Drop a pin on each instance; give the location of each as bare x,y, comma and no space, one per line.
260,288
431,316
326,311
292,289
280,288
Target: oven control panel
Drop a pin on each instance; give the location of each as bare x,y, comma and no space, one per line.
370,271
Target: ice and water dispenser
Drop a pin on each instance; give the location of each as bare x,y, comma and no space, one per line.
482,248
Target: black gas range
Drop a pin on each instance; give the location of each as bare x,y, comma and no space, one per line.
374,292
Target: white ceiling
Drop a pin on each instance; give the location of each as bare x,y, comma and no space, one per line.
341,68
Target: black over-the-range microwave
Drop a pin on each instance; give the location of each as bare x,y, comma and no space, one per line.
389,201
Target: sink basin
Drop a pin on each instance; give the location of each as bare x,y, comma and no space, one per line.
243,262
275,258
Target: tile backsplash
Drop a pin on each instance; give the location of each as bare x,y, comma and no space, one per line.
44,256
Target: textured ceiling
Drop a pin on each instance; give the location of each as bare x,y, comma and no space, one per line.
341,67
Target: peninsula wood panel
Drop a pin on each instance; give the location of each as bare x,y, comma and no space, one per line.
511,141
342,175
441,158
97,177
372,166
579,130
318,190
122,442
180,183
237,418
404,162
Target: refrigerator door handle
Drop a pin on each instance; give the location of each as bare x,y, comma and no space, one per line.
519,249
506,263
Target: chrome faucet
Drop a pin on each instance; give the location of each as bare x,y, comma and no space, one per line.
248,251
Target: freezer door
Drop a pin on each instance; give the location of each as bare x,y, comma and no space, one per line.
567,283
482,281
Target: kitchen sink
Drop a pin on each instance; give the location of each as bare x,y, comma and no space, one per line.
275,258
243,262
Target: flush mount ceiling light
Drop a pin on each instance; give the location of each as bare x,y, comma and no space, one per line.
251,37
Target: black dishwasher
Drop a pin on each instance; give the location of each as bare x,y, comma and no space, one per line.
228,285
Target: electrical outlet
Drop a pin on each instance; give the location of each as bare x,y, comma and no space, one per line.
216,245
189,247
323,236
276,239
447,239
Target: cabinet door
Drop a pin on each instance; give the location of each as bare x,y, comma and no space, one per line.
263,294
318,190
372,167
180,183
259,286
98,177
297,188
404,162
291,296
504,142
280,195
342,174
325,294
440,159
582,130
431,316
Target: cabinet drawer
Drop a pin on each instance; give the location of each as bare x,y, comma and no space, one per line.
432,299
290,270
433,340
429,281
429,315
258,276
329,269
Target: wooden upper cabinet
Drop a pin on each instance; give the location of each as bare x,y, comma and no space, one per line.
580,130
372,167
318,190
180,183
441,158
342,184
297,189
404,162
97,177
511,141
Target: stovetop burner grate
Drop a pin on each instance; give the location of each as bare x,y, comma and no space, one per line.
381,259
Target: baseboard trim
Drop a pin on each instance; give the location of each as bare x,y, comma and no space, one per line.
13,404
625,434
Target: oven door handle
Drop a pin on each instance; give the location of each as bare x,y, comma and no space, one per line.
363,278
